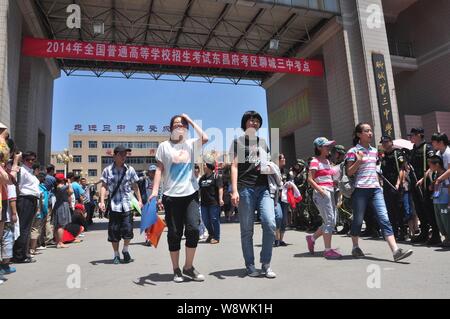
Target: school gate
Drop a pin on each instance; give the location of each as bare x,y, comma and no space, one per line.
325,64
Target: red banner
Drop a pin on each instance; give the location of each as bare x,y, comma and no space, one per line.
65,49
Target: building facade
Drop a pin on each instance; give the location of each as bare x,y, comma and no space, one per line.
92,152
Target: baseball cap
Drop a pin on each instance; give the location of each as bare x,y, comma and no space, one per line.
121,148
417,130
152,167
385,138
301,162
2,125
79,206
60,176
323,141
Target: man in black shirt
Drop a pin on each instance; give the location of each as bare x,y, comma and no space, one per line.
211,192
392,164
421,193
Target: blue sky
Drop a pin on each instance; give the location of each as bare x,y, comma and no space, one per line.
90,100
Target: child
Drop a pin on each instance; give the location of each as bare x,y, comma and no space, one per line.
321,179
441,199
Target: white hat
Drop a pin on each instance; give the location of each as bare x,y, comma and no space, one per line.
2,125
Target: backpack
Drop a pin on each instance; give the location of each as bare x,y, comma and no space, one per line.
346,183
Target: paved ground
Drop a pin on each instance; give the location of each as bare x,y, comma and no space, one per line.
425,275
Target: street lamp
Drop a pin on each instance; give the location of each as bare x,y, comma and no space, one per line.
66,158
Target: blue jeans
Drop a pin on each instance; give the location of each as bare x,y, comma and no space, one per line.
251,199
281,215
211,219
407,205
361,197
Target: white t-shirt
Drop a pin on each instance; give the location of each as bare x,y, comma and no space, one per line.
445,157
178,159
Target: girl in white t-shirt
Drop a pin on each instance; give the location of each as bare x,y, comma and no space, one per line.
175,166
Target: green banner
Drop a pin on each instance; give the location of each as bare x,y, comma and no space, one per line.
292,115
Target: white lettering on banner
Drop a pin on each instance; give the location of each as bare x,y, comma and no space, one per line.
145,53
375,16
112,51
100,49
280,64
134,53
206,57
89,49
216,58
254,61
298,65
244,59
262,61
196,56
165,55
235,59
306,67
289,64
272,63
176,56
186,56
78,48
155,53
225,59
123,51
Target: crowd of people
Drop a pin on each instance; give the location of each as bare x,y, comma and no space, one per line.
399,193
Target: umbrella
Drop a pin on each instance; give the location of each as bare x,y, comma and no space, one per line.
402,143
149,214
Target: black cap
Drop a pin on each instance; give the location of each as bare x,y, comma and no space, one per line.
121,148
417,130
385,138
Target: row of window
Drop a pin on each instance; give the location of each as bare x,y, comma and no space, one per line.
93,144
91,172
106,160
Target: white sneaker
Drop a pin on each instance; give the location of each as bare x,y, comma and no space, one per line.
268,272
178,276
41,248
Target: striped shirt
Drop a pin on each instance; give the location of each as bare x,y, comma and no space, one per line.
366,176
324,173
111,176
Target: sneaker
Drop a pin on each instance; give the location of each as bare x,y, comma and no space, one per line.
434,240
276,243
332,254
208,240
213,241
81,235
7,269
357,252
41,248
282,243
310,242
268,272
252,272
193,274
178,276
116,260
126,257
402,254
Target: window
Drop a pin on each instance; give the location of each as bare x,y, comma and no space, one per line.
92,158
77,158
106,160
132,160
77,144
92,172
92,144
77,172
131,144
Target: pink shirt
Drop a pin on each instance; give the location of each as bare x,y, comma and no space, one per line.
324,173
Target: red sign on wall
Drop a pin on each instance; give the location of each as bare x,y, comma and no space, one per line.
65,49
